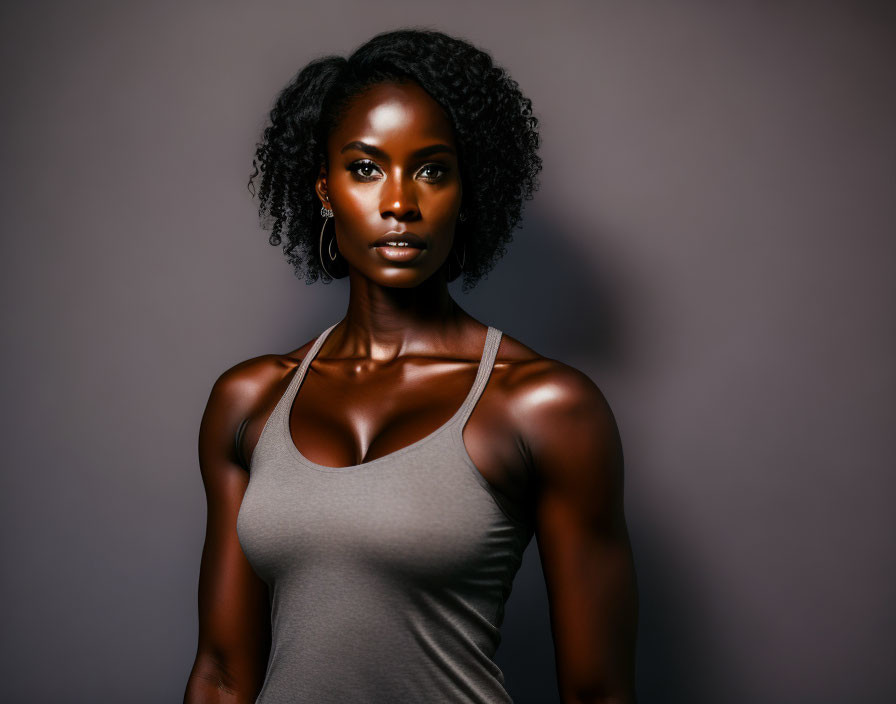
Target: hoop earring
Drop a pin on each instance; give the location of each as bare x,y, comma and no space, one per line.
327,213
462,217
460,261
464,248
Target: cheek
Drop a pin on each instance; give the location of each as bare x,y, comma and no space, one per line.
354,200
445,203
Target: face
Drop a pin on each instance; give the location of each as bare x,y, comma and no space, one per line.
392,176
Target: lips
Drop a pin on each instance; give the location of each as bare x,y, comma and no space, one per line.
400,239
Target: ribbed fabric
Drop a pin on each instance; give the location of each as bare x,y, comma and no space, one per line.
388,578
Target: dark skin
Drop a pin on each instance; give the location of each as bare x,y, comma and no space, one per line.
394,370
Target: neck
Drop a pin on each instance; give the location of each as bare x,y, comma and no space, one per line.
382,322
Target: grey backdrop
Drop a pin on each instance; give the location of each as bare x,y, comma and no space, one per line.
713,244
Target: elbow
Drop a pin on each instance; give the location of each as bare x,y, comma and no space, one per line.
211,681
597,692
597,696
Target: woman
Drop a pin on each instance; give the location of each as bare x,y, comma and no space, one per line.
363,534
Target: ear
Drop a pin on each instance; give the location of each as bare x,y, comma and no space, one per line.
320,186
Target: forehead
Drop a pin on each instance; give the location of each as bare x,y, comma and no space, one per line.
393,113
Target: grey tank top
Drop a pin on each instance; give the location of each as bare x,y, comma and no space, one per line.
388,578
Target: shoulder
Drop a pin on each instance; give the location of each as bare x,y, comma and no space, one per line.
540,387
559,413
238,394
242,384
248,381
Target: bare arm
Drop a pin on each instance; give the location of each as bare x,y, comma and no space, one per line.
234,616
583,540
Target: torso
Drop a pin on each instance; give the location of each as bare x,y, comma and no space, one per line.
346,414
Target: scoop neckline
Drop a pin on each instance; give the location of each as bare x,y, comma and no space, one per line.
303,371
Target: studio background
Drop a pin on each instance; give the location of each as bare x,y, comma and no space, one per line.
713,243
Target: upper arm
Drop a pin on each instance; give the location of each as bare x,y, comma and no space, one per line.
234,616
576,453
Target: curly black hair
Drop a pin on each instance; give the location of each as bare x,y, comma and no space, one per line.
495,129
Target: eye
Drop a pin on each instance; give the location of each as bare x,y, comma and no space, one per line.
364,169
433,172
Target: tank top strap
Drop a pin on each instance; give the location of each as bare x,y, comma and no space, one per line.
486,364
315,348
293,388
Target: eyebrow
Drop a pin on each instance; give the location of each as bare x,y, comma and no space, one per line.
379,153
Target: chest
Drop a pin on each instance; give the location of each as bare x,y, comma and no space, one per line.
423,519
340,420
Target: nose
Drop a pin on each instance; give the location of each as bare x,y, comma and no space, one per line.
399,199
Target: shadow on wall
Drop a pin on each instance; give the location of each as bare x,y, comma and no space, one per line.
550,296
674,663
547,293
